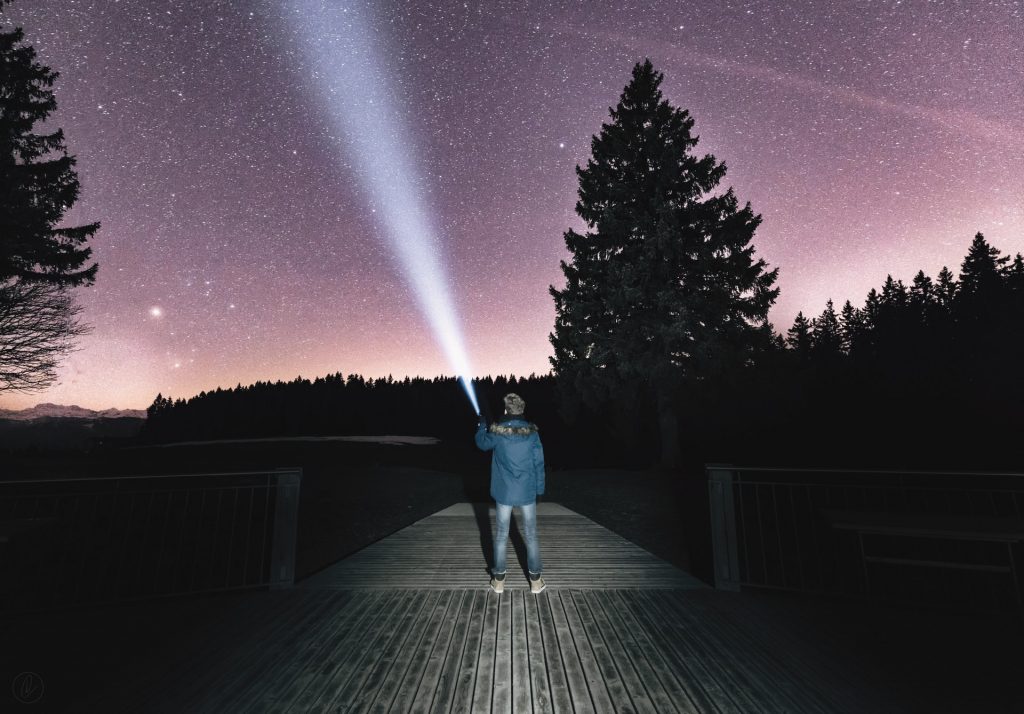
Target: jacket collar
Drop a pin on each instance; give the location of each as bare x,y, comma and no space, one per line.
513,425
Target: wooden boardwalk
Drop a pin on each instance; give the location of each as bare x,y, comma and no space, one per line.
451,549
379,632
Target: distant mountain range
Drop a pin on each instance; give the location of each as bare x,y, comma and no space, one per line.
74,411
56,426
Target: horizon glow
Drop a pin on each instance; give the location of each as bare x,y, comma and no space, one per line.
354,84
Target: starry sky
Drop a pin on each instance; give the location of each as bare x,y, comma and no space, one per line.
238,244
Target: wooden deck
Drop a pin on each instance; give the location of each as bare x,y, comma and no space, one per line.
451,549
360,637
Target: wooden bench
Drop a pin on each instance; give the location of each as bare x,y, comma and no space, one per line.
935,526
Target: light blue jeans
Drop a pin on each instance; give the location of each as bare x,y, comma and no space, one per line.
504,517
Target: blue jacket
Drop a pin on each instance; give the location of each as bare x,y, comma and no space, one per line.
517,464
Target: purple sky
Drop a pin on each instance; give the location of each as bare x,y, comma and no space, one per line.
237,244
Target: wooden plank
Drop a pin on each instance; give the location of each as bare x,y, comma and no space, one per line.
216,668
777,679
603,655
316,675
521,696
841,684
451,637
482,689
276,692
578,689
462,696
698,686
338,663
345,660
501,688
759,674
611,654
411,664
344,691
735,685
637,652
597,681
410,626
258,658
561,699
540,692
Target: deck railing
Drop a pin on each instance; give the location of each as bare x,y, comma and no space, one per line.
776,528
78,541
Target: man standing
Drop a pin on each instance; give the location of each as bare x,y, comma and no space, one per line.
517,478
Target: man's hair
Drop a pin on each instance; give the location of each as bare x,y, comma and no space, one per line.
514,404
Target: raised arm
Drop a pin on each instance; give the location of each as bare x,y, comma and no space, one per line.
485,440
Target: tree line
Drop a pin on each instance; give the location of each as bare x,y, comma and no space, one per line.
925,374
353,405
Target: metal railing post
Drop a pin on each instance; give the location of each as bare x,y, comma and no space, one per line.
723,526
286,520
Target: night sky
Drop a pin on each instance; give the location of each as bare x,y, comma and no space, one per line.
238,244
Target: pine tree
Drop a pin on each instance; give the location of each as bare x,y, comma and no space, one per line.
39,261
982,269
798,337
663,287
946,289
1015,284
851,327
922,298
922,290
826,339
894,293
38,183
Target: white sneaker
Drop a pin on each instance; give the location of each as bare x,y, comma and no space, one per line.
497,585
537,585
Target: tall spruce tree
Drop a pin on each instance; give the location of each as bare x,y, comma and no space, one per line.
982,270
39,259
798,337
851,327
38,183
826,338
663,287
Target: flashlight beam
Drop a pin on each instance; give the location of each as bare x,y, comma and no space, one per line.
352,74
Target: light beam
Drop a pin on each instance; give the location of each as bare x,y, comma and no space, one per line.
355,86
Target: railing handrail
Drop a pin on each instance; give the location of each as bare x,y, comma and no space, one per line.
265,472
804,469
767,530
146,535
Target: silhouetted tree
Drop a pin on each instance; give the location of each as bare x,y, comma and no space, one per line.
982,269
946,289
851,327
825,334
38,185
798,337
922,296
663,287
38,324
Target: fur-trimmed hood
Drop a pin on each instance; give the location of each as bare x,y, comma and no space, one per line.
510,428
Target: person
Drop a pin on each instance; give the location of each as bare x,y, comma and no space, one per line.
517,478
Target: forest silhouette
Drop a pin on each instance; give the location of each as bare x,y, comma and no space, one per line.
925,375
